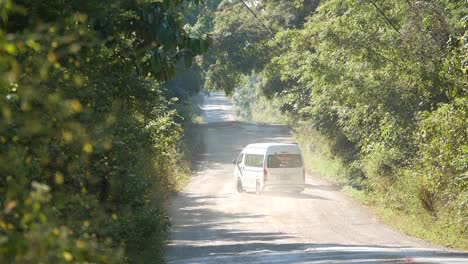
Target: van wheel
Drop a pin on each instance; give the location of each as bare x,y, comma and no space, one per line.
257,188
239,186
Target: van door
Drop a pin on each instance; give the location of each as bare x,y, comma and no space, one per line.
253,169
285,169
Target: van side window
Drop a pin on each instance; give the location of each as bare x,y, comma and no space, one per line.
254,160
239,159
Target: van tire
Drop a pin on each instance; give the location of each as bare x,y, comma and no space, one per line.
257,188
239,186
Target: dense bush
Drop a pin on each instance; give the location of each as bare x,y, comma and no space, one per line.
442,162
89,135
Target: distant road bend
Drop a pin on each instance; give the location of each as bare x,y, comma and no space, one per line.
212,223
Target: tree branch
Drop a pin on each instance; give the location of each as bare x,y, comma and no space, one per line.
385,17
272,34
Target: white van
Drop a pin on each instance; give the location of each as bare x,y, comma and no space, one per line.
269,166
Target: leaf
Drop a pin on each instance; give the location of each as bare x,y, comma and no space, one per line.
195,45
188,59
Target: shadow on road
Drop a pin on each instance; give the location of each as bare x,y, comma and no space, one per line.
329,188
204,235
318,253
225,144
202,220
292,195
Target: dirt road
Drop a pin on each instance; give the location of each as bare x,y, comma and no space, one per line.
212,223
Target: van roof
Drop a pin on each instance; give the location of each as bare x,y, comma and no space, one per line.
267,145
270,148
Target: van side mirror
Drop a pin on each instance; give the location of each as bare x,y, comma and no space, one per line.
234,161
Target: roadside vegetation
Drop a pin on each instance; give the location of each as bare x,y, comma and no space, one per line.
97,105
375,91
91,127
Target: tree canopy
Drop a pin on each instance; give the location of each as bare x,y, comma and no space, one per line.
89,129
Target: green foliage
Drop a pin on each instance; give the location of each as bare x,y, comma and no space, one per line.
245,97
367,81
384,83
442,161
251,105
241,44
90,137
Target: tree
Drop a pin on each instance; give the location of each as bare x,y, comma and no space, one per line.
89,134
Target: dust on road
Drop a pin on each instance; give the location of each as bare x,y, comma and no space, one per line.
212,223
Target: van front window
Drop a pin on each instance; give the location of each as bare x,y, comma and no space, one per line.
284,161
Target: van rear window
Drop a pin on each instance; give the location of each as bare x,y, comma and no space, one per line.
284,161
254,160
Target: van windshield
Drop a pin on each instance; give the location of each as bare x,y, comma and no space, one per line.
284,161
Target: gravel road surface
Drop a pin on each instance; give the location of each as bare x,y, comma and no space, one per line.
212,223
